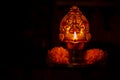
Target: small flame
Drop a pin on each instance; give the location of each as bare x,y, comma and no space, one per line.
75,36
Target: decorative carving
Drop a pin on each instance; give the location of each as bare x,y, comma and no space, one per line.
72,22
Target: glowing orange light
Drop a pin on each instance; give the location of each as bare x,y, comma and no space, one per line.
75,36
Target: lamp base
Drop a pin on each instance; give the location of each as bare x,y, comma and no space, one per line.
76,53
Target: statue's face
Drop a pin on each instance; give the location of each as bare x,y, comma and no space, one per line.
74,21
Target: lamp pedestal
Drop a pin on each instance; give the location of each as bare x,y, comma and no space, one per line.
75,50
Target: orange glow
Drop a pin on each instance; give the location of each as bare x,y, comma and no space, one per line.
81,32
75,36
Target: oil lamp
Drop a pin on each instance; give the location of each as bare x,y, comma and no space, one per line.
74,27
74,31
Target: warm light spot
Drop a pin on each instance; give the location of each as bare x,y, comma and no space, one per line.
81,32
75,36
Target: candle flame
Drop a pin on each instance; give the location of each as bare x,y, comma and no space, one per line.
75,36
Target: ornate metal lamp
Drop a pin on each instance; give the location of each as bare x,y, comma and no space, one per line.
74,31
74,27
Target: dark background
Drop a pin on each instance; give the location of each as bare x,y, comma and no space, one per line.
37,29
